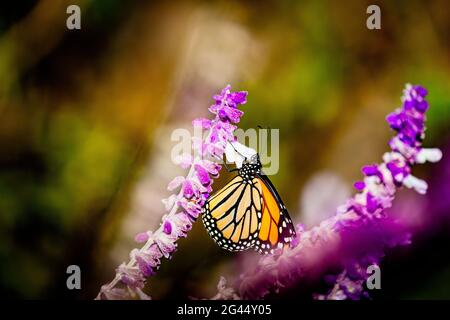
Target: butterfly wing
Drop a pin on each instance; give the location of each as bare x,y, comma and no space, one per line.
243,215
276,227
232,215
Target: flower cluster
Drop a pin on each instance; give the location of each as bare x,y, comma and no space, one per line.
186,205
360,231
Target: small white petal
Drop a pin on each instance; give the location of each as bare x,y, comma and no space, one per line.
237,153
429,154
415,183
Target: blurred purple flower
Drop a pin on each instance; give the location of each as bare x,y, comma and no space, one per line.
360,231
183,208
345,286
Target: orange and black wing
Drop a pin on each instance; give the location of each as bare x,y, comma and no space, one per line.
232,216
248,214
276,227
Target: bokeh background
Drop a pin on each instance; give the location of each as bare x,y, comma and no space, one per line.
87,115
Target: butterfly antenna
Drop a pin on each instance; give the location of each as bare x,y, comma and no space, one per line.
237,151
234,148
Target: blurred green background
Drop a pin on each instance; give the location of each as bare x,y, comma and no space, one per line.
86,118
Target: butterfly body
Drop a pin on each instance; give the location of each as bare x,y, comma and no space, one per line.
248,213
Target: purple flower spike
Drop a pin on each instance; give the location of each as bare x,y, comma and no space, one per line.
194,190
212,167
192,208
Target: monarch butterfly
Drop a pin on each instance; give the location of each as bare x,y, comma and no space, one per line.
248,213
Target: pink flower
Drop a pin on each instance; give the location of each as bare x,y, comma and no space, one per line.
193,192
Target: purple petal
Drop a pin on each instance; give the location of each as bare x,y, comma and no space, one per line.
395,120
202,175
421,91
167,228
181,224
222,114
371,203
239,97
166,245
188,190
359,185
141,237
175,183
234,115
